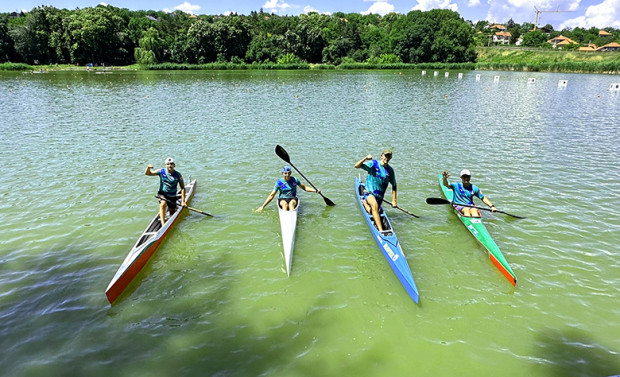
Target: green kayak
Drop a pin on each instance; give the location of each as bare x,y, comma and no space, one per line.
480,232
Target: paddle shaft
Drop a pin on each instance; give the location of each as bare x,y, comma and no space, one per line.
433,201
407,212
281,152
190,208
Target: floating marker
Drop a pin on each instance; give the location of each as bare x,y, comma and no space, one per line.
531,81
562,84
460,76
496,79
478,77
423,73
436,73
614,87
447,74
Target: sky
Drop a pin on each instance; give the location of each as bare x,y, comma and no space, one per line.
559,13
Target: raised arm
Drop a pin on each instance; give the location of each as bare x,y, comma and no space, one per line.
149,170
445,182
361,162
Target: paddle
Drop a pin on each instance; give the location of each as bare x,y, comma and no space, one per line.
407,212
283,155
434,201
190,208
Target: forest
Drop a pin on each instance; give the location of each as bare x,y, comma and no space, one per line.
106,35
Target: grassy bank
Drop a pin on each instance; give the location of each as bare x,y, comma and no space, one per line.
489,58
522,59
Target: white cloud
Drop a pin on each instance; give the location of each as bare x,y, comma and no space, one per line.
309,9
381,7
275,6
187,7
104,4
602,15
425,5
473,3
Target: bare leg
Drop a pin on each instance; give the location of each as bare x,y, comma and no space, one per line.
284,205
375,211
292,205
162,212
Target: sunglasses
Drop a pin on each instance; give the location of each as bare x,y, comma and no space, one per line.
466,176
388,156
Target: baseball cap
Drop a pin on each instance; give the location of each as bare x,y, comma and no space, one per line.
169,160
465,172
286,168
387,151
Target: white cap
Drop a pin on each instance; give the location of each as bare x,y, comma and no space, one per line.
169,160
465,172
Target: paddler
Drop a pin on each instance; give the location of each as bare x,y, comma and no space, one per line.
380,174
287,187
464,193
169,179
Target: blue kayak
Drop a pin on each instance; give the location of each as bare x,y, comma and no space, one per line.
389,245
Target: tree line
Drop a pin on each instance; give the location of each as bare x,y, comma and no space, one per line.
118,36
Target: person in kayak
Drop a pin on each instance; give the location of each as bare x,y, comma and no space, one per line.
169,179
287,187
464,193
380,174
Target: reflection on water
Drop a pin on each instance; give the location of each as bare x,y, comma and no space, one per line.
215,298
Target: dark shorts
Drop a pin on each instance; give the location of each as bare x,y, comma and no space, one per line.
288,200
171,202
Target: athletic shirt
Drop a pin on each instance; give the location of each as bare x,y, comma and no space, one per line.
378,178
168,182
463,195
287,189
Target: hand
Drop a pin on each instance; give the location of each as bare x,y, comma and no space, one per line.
368,157
183,204
150,166
259,209
493,209
318,191
445,174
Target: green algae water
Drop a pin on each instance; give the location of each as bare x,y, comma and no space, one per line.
215,299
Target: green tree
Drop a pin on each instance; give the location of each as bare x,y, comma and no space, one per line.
534,39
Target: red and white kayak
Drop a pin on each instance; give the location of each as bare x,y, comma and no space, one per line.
144,248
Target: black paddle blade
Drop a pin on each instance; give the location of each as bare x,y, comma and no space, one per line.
328,201
282,154
437,201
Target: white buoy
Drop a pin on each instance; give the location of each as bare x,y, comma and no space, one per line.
436,73
447,74
562,84
460,75
478,77
531,81
614,87
496,79
423,73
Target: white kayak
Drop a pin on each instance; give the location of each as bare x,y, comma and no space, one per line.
288,223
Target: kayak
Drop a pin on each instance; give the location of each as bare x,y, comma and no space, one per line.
389,245
288,223
144,248
479,231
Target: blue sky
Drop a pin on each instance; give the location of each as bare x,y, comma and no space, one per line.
574,13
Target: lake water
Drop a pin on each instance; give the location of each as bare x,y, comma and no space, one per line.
215,299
